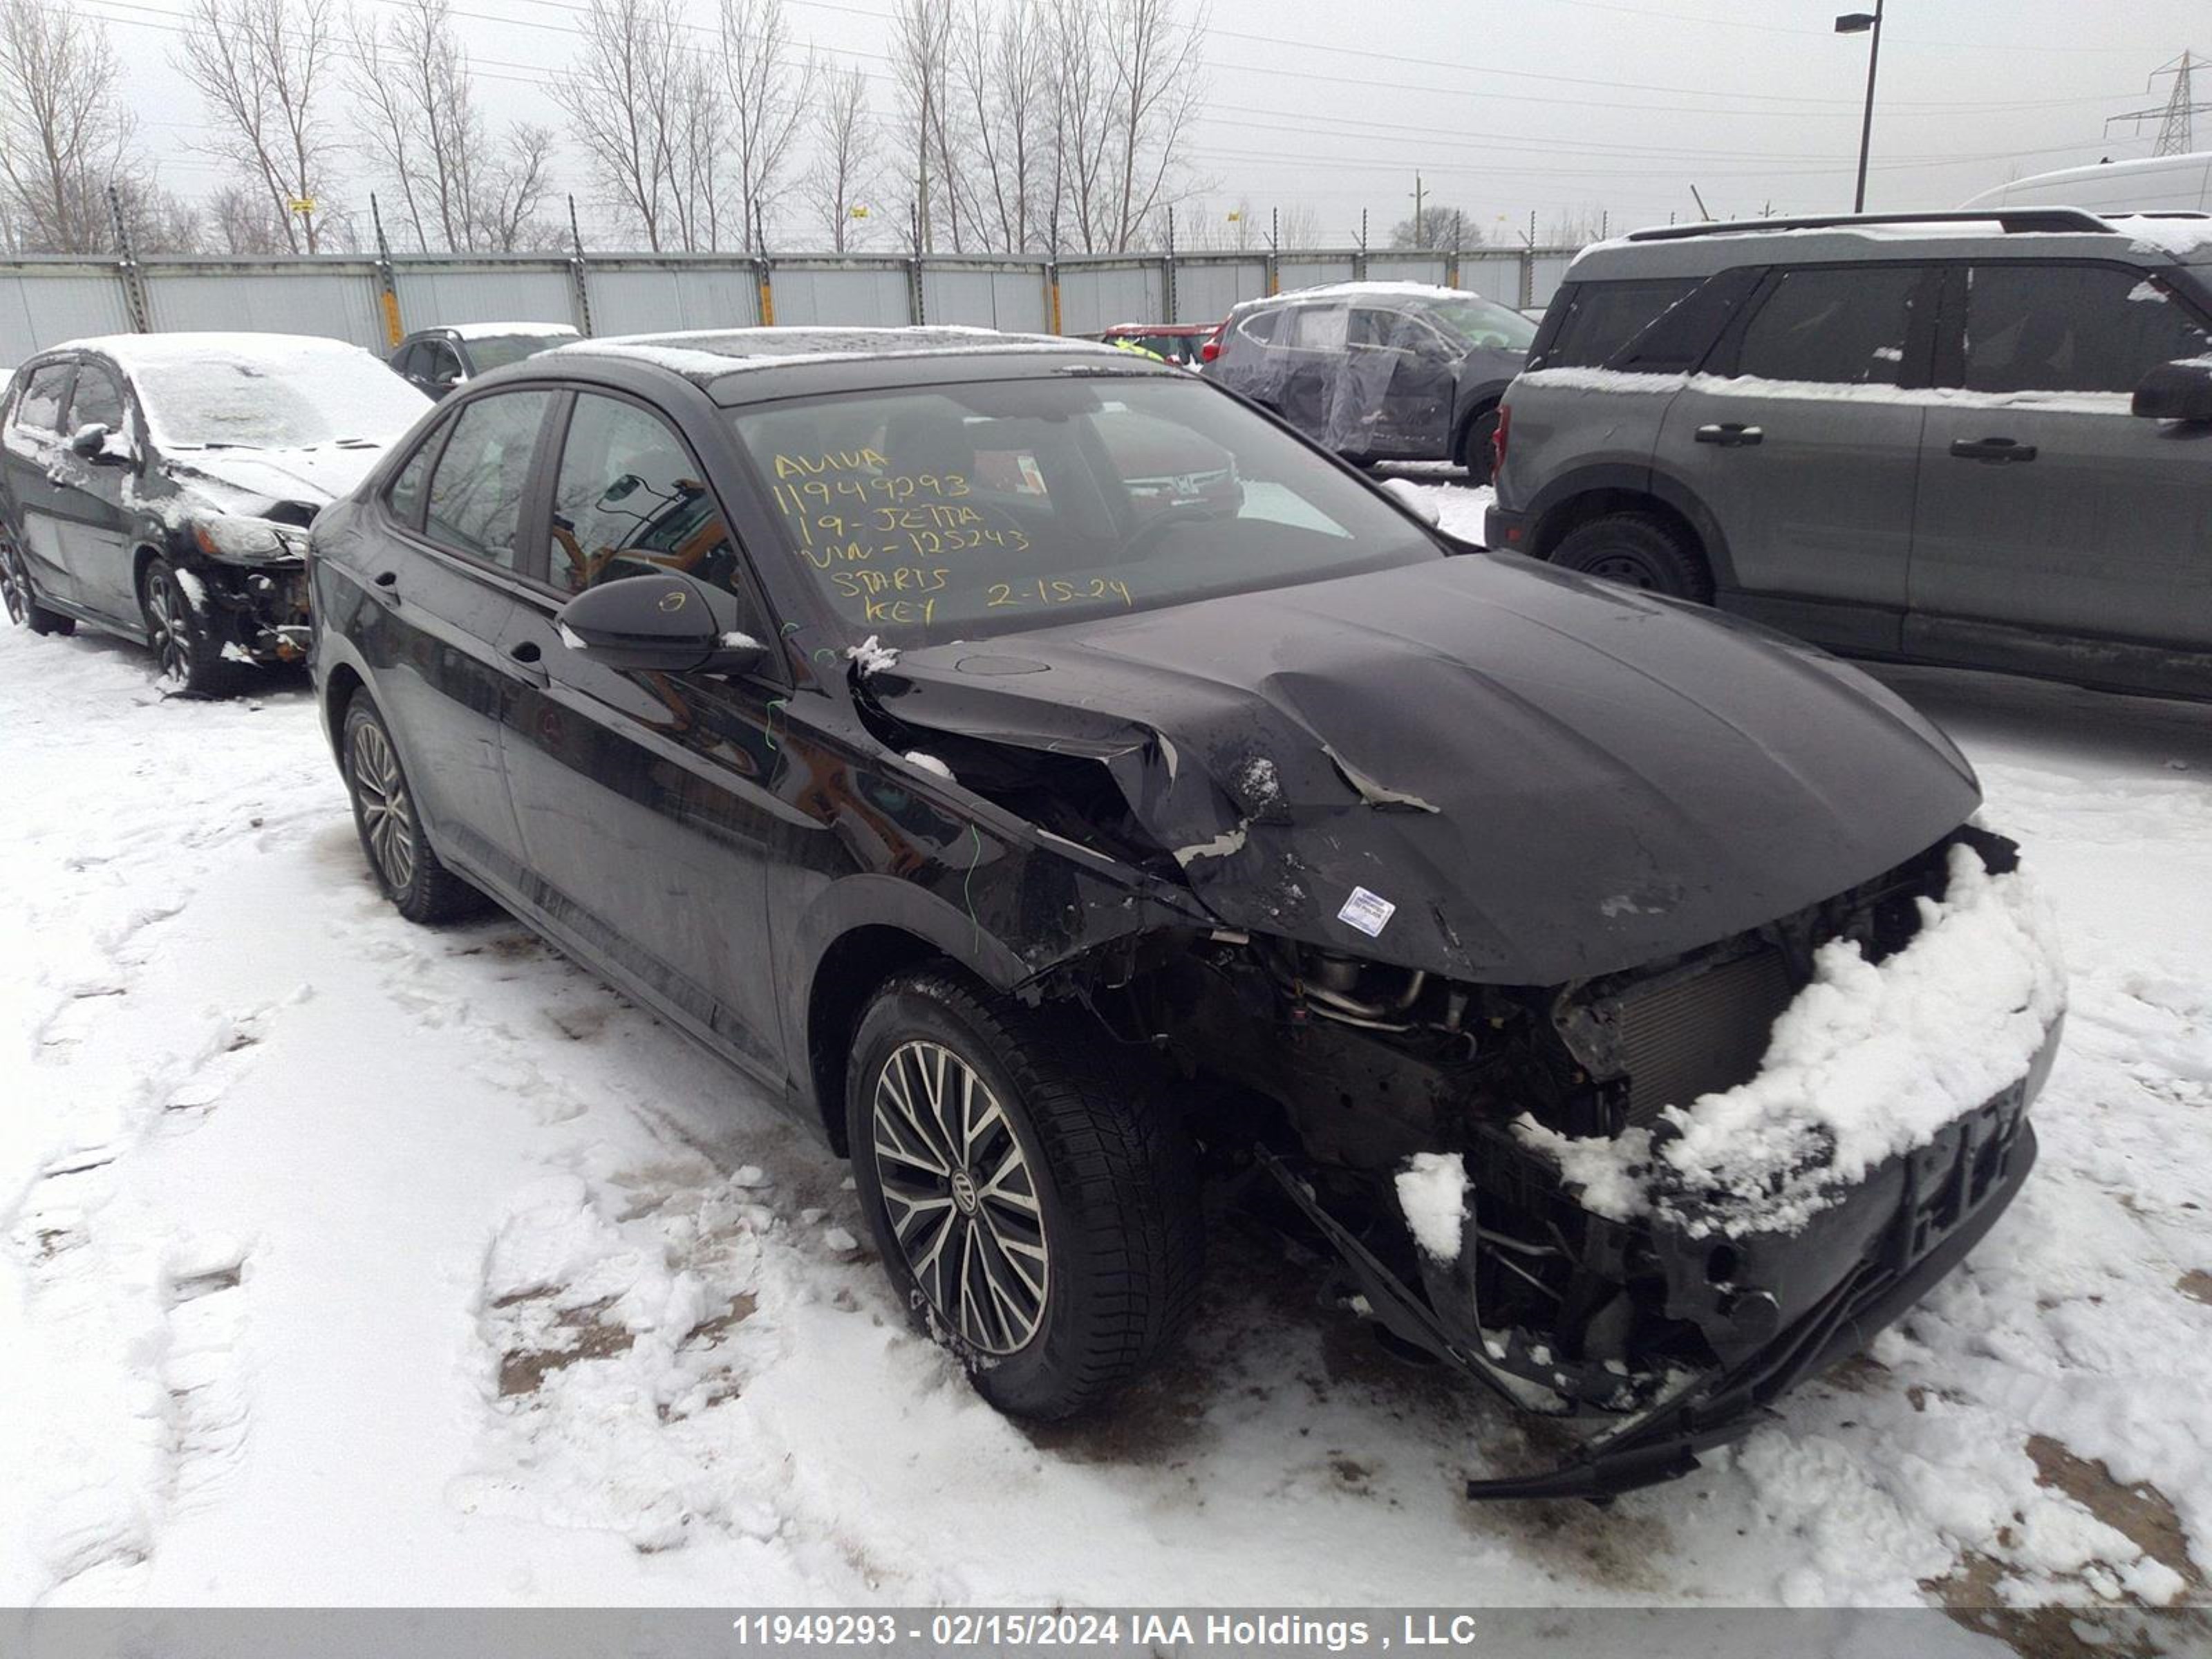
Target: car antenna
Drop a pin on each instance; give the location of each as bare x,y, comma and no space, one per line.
1704,212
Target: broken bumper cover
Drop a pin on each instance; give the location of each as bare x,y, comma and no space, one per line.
258,612
1908,1226
1837,1283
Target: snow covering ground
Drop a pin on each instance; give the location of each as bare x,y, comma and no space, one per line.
347,1261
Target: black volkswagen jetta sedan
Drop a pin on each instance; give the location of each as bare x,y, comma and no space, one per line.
1619,994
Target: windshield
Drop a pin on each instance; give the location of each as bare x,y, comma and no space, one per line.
961,512
1480,322
219,400
491,351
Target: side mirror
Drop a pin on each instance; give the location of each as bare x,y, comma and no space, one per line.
1415,500
96,444
2176,392
664,624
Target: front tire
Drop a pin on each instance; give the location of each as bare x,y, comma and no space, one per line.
390,826
1637,550
189,658
1037,1213
21,598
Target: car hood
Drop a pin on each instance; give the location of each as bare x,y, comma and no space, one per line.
1543,777
237,479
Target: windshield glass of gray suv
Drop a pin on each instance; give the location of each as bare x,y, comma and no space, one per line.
958,512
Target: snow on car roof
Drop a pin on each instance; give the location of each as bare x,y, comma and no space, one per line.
493,331
712,352
1378,290
187,346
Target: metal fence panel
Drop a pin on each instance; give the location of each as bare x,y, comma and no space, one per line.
664,298
861,296
1312,272
1206,289
1095,297
1428,268
1008,296
436,296
1495,276
337,299
43,304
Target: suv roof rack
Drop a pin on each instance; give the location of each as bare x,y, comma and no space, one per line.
2014,221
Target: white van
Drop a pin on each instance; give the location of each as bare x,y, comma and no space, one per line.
2164,184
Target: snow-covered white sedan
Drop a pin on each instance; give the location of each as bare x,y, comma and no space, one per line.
159,487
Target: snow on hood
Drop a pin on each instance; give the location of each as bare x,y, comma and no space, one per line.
251,480
1534,777
1868,1061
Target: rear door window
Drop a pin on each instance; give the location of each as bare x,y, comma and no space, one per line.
1839,326
2072,328
1604,317
475,502
1261,326
1318,328
405,497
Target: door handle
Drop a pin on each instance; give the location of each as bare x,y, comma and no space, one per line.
2001,450
1730,435
529,658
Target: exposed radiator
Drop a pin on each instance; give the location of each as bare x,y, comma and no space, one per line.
1694,1033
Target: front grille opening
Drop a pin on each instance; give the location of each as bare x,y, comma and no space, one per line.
1695,1033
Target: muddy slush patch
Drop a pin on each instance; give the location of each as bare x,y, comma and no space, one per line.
1972,1591
522,1371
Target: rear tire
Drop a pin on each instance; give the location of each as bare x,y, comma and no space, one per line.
385,815
1046,1230
1477,451
189,658
21,598
1637,550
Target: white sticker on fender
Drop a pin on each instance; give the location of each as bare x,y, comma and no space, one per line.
1368,912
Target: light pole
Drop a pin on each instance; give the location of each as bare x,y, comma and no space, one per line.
1864,22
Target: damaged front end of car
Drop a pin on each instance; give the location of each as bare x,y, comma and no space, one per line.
1713,1019
250,566
1584,1274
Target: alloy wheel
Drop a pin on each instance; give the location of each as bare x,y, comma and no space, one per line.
961,1197
14,585
169,619
387,817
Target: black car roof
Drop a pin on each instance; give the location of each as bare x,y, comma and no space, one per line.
750,365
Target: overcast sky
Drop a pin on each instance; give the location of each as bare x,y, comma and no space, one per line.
1559,106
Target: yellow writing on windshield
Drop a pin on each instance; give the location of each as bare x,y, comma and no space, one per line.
837,460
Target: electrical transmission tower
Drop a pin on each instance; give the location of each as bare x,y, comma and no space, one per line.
2176,115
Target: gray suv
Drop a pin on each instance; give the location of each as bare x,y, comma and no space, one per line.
1958,438
1378,371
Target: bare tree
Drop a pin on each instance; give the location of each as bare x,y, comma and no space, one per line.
267,70
769,87
508,200
458,189
1437,227
240,220
652,118
844,146
156,221
1002,65
1081,109
62,135
931,129
1158,88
